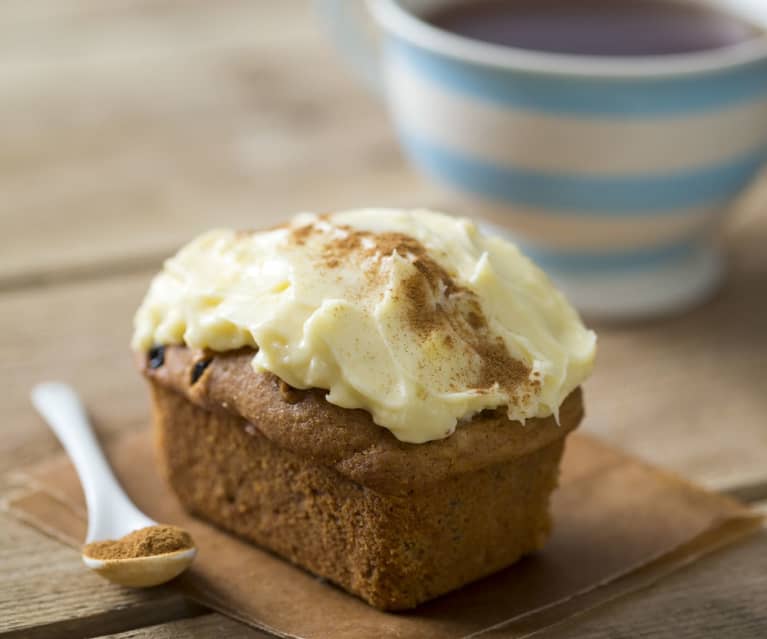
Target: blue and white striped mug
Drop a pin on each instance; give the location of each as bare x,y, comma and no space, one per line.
613,173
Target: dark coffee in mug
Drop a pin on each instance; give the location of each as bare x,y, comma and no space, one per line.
596,27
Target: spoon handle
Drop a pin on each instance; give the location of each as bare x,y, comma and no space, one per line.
110,512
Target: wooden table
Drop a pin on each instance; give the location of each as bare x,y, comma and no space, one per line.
128,126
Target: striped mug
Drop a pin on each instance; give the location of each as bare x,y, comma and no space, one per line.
614,174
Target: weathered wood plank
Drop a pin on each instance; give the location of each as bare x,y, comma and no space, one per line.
76,333
206,627
47,592
724,595
688,392
127,132
752,493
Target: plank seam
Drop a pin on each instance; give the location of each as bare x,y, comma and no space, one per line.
111,621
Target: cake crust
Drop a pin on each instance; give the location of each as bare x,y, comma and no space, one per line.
393,551
394,523
348,441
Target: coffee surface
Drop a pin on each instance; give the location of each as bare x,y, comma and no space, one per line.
596,27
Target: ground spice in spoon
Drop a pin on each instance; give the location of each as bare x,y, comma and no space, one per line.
144,542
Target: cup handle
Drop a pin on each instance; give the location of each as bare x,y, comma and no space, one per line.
349,24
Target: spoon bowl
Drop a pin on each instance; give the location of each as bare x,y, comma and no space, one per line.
142,572
111,514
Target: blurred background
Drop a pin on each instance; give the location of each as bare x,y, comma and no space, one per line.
130,126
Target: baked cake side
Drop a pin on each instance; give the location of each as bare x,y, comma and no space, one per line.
348,441
392,551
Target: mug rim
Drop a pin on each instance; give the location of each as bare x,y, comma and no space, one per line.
396,19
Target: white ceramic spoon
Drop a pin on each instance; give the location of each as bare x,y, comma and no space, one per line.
111,514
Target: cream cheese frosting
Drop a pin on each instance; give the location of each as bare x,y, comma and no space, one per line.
413,316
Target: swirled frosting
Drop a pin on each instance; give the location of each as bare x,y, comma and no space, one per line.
413,316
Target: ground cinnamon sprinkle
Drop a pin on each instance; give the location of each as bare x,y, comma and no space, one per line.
433,300
145,542
300,234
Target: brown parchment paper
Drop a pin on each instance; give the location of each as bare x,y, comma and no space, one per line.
619,524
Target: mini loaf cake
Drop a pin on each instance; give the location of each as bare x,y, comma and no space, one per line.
381,397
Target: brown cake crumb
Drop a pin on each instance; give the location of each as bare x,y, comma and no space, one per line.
145,542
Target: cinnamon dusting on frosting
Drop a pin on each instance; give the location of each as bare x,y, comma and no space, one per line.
433,301
414,316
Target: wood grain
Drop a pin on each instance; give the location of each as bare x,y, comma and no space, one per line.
688,392
147,125
207,626
47,592
723,596
77,333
